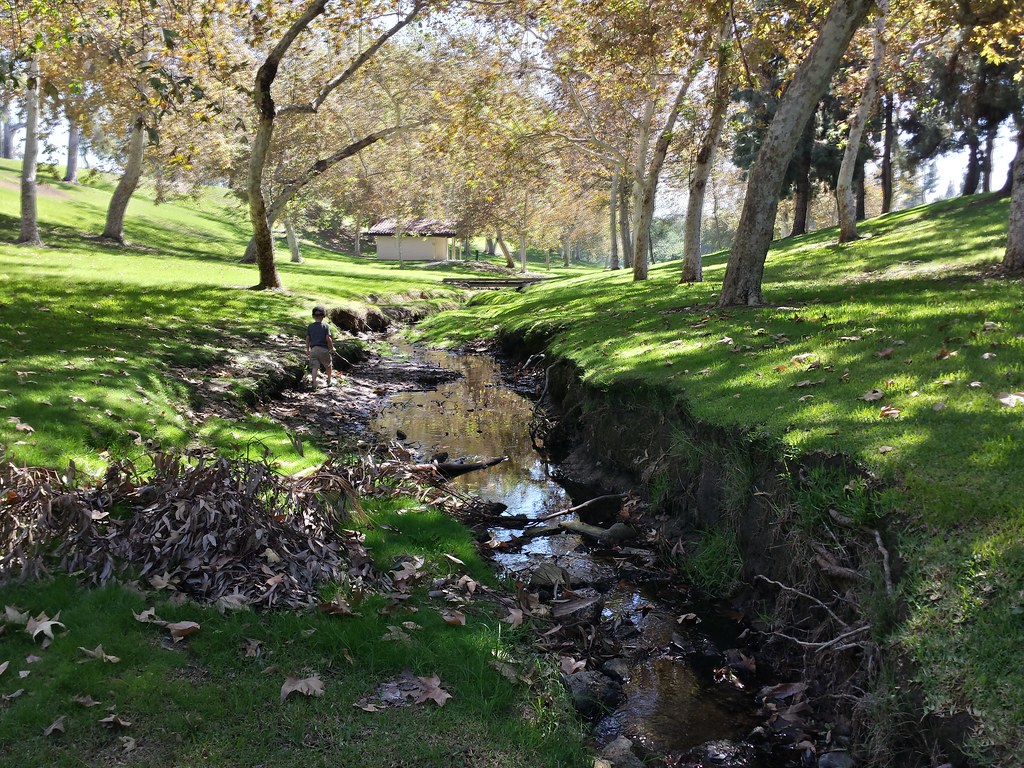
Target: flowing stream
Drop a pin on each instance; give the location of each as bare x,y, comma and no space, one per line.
679,690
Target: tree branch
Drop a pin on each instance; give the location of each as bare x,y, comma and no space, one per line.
356,63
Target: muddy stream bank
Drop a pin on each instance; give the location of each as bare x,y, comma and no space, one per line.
665,668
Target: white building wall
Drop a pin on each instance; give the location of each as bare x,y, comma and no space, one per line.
413,248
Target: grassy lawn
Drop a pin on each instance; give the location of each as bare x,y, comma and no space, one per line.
905,314
207,701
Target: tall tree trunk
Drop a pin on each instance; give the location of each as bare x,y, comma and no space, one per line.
28,232
862,193
293,241
129,181
1013,259
522,251
802,196
566,252
509,261
74,139
1007,188
613,256
888,136
986,161
547,259
745,270
490,246
973,176
625,233
643,249
466,251
845,194
693,264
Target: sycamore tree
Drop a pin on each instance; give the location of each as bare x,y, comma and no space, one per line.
355,33
745,268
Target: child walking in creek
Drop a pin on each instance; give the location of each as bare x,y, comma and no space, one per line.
319,345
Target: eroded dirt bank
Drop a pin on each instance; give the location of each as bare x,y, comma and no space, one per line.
815,568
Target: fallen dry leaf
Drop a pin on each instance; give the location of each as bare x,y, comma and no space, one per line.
872,394
181,629
889,412
85,701
127,743
454,559
396,635
884,353
688,617
113,721
149,616
515,617
57,726
97,653
571,666
337,607
885,448
307,686
455,618
251,647
3,667
432,691
943,353
43,623
31,659
1012,399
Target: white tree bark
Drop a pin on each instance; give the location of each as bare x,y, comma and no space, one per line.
293,241
127,184
613,257
745,270
28,233
1013,259
693,264
74,142
509,261
846,197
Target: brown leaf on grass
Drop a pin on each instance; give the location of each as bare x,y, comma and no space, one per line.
307,686
127,743
944,352
408,570
885,448
3,667
506,670
32,659
85,701
396,635
113,721
337,607
14,616
1012,399
43,623
872,394
22,427
468,584
805,398
454,559
455,618
97,653
890,412
515,617
412,626
57,726
688,617
12,696
570,666
432,691
251,648
884,353
181,629
149,616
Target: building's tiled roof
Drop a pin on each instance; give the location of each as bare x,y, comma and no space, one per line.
415,227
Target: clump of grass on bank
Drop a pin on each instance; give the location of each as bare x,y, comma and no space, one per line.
205,701
905,319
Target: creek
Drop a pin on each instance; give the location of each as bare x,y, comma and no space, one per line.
680,690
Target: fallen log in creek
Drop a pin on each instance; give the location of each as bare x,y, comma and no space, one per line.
450,469
595,504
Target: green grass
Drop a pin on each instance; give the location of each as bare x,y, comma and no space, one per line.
908,310
204,701
96,341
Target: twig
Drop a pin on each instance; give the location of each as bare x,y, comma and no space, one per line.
885,562
815,600
819,647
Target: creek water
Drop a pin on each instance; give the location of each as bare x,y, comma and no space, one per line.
672,700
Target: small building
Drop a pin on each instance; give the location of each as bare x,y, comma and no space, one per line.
412,240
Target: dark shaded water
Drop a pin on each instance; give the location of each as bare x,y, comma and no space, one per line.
672,700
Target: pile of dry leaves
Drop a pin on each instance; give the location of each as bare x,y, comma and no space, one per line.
217,530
